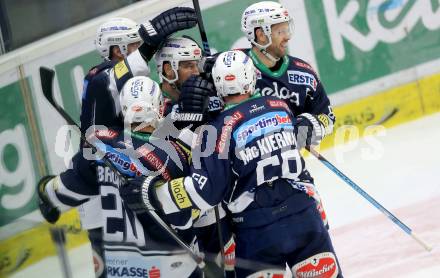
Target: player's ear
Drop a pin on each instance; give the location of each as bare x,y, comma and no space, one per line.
168,70
260,37
116,53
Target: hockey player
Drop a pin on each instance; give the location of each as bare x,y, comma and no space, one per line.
257,171
268,26
134,245
177,61
185,96
105,109
115,39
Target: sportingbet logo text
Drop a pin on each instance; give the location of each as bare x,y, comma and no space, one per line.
260,125
123,163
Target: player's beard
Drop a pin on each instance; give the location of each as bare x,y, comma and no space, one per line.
278,51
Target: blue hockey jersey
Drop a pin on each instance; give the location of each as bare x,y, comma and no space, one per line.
132,154
132,242
254,165
298,84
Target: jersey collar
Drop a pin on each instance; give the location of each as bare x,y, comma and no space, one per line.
259,64
144,136
254,96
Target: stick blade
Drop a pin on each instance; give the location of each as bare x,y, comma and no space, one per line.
47,76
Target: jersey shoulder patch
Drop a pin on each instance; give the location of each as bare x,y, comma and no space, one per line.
106,134
121,69
278,103
303,64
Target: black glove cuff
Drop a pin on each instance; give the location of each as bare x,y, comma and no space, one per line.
147,51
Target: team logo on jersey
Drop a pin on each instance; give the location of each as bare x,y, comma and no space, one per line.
321,265
261,125
255,108
302,78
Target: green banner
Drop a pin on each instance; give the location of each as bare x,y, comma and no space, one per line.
19,167
365,40
67,84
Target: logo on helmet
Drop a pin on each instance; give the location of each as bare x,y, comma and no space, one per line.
196,51
136,108
230,77
114,39
229,57
136,88
173,45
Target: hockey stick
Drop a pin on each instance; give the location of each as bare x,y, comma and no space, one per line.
202,31
370,199
47,76
59,238
207,50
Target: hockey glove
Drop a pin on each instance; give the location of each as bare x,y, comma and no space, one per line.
155,32
47,209
193,102
206,64
139,194
309,130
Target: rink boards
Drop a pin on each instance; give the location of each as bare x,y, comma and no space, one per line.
381,79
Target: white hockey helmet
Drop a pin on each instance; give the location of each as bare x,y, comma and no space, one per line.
263,15
234,73
141,101
116,31
176,50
